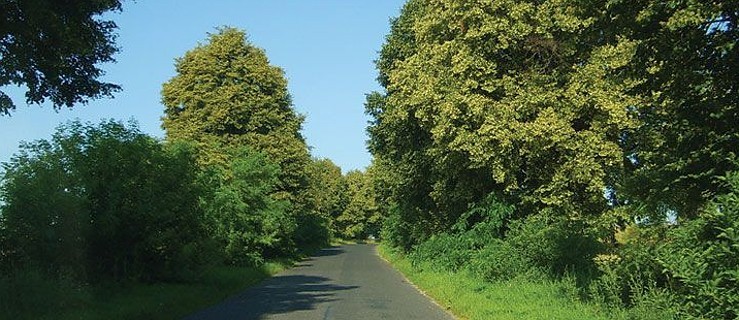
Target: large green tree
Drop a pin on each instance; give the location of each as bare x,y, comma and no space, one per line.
687,60
227,94
54,49
517,98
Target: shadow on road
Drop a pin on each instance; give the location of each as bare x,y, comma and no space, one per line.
282,294
332,251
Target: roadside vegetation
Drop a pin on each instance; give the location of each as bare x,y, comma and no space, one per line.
563,151
531,159
469,296
103,221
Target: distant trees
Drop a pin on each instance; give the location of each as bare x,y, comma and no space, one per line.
54,49
361,216
327,191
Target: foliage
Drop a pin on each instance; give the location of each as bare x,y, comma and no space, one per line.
361,216
701,258
240,211
498,261
608,125
505,98
469,297
32,295
554,244
103,201
692,265
327,188
395,231
54,48
475,237
326,195
226,93
686,56
443,252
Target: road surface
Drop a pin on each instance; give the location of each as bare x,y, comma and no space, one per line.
347,282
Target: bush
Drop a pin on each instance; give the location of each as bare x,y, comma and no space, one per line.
444,252
395,231
498,261
485,221
102,201
554,244
689,270
630,274
242,213
32,294
701,258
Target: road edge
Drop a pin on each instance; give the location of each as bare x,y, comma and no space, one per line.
446,309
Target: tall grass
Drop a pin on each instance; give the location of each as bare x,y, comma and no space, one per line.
469,297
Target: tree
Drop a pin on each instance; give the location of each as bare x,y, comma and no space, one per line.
517,98
54,48
361,216
686,60
226,94
327,190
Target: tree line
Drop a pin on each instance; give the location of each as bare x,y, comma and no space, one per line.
566,137
233,183
512,138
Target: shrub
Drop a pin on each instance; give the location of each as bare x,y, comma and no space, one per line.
498,261
33,294
630,276
102,201
485,221
396,231
554,243
444,252
241,211
689,270
701,258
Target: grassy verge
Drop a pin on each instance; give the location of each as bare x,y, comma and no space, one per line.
172,300
43,299
470,298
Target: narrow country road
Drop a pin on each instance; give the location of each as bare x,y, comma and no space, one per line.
347,282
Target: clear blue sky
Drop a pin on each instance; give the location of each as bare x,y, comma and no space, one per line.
326,48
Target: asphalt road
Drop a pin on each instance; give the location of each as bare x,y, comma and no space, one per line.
347,282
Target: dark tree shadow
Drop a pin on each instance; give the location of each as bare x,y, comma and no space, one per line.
281,294
331,251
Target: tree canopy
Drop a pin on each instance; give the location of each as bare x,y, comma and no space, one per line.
226,94
54,49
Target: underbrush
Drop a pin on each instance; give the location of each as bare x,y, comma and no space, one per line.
549,266
469,296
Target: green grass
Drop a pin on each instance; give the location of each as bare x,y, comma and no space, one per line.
470,298
133,300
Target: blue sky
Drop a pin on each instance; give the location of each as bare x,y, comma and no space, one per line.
326,47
